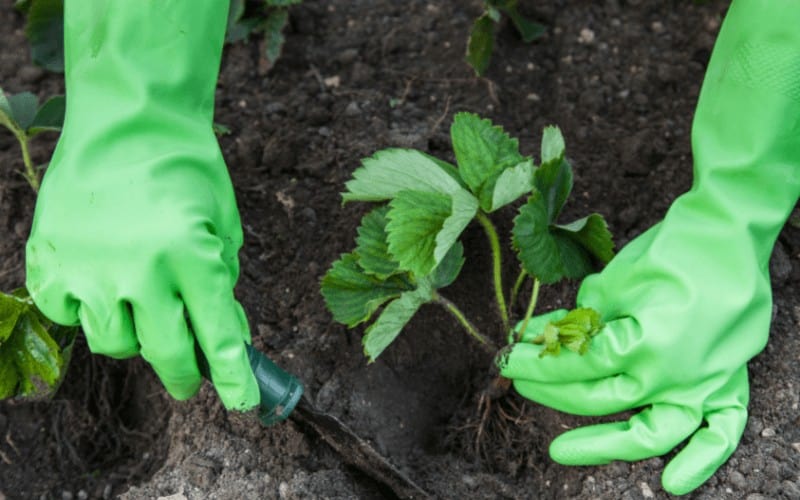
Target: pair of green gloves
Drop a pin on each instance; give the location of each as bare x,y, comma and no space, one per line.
136,232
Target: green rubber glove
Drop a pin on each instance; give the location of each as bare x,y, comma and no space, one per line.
688,303
136,226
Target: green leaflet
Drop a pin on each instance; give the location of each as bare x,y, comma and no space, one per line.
551,252
22,114
34,352
273,34
592,234
512,183
22,108
553,179
353,296
547,250
552,144
424,226
528,30
393,318
49,117
483,152
390,171
448,269
574,331
372,247
45,30
480,44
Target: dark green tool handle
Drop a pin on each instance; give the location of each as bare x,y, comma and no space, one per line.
280,391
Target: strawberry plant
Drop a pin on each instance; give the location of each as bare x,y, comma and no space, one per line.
481,38
408,247
34,351
25,118
272,20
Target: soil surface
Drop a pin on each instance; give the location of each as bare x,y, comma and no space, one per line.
620,78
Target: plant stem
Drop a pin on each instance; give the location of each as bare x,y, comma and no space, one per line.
494,242
487,344
517,285
531,307
30,172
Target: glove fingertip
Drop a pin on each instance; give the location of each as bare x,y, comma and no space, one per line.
183,391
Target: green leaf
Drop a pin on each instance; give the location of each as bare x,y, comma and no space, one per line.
9,379
592,234
552,144
45,30
353,296
34,352
574,331
551,252
480,44
554,181
390,171
372,247
424,226
537,249
23,108
448,269
512,183
483,152
10,309
392,320
273,34
49,116
528,30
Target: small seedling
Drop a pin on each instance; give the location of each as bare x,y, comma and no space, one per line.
25,118
481,38
270,22
408,247
34,351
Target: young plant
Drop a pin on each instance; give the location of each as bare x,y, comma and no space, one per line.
481,38
271,22
25,118
34,352
408,247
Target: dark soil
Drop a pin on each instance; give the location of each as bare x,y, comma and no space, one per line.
357,76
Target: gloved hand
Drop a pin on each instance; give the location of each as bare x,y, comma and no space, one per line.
136,226
688,303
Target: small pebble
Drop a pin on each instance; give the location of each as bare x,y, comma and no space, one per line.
768,432
586,36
